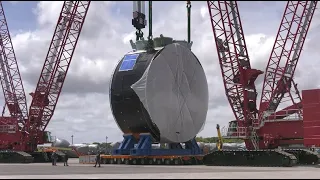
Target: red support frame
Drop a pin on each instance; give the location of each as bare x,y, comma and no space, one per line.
10,76
55,68
287,48
234,61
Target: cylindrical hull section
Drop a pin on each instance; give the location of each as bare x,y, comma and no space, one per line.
127,109
164,93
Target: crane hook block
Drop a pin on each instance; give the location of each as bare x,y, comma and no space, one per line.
139,17
139,20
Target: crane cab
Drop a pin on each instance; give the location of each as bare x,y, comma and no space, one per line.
232,128
47,137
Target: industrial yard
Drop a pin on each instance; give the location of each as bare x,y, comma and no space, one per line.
76,170
159,97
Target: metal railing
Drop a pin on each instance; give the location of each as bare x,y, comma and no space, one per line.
8,128
288,115
243,132
234,132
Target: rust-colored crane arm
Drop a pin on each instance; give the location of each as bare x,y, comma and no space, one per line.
10,76
56,65
285,55
238,77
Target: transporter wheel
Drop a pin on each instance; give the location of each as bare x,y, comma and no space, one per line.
134,161
159,162
111,161
142,161
187,162
194,161
167,162
118,161
150,161
176,161
107,161
126,161
104,161
200,161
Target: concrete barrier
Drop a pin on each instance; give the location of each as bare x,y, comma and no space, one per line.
87,159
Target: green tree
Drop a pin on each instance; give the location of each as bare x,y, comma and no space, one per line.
103,145
215,139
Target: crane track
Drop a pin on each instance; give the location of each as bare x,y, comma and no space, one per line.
262,158
304,156
9,156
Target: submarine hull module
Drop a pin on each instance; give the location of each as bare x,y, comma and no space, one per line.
164,93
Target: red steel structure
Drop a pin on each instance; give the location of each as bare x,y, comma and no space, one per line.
311,118
265,128
287,49
55,68
51,80
237,74
12,86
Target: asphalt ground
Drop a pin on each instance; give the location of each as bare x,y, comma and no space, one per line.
87,171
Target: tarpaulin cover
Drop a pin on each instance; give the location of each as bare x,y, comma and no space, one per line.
174,91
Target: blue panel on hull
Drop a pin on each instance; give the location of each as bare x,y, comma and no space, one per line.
128,62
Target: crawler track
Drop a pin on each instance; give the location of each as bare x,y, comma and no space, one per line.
8,156
145,160
304,156
265,158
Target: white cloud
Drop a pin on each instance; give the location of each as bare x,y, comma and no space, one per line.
13,2
83,109
204,12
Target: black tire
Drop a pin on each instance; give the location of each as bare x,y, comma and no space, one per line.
104,161
176,162
142,161
118,161
134,161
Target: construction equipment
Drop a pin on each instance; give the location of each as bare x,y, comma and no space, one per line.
14,95
44,153
220,140
266,129
140,127
12,86
51,80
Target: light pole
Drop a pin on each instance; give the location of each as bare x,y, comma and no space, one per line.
71,139
106,144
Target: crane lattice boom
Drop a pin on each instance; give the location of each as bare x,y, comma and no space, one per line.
238,77
10,76
287,48
56,65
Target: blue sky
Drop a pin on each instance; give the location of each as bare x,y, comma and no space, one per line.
20,16
83,109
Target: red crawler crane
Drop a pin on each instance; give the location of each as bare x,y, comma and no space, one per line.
12,86
278,80
54,71
237,74
10,76
258,131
